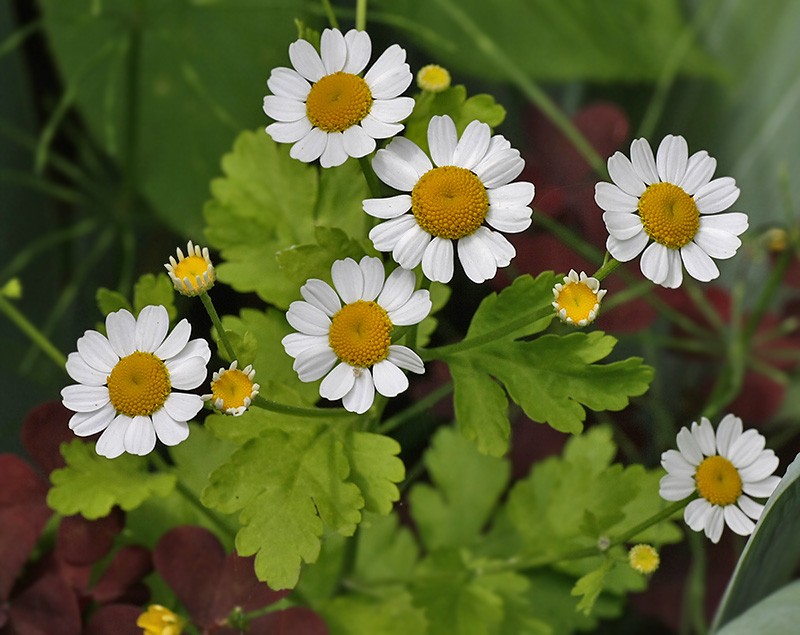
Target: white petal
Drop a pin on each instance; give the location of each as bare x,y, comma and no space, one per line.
761,468
737,521
334,153
655,264
513,220
394,170
398,289
286,82
404,357
746,448
437,261
715,524
697,514
140,436
80,398
97,352
442,140
672,158
296,343
698,263
761,489
85,424
689,447
716,242
477,258
389,75
675,488
151,328
750,507
734,222
612,199
704,435
624,176
390,207
183,407
414,311
112,442
359,49
310,147
728,431
357,143
386,235
511,196
338,382
644,164
195,348
389,380
169,431
622,225
121,330
374,275
412,154
717,195
84,374
473,145
333,50
320,294
392,110
176,341
675,272
409,249
675,463
186,374
361,395
378,129
499,169
502,250
348,280
313,363
283,109
625,250
289,132
698,172
308,319
306,60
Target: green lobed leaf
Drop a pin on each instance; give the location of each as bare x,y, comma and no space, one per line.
299,263
466,487
91,484
155,289
388,615
589,587
109,301
777,613
376,468
386,549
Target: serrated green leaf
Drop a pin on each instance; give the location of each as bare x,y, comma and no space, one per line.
301,262
109,301
386,549
91,484
375,468
467,488
244,345
777,613
268,201
388,615
155,289
590,586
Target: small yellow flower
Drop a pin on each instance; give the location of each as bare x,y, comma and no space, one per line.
577,300
233,390
776,239
160,621
433,78
192,274
644,558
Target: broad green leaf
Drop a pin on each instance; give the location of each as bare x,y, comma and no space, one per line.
386,549
109,301
201,71
375,468
590,586
91,484
466,488
155,289
301,262
388,615
268,202
198,456
572,39
777,613
771,554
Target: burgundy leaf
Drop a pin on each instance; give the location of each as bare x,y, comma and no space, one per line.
44,430
47,607
82,541
239,586
121,580
296,620
115,619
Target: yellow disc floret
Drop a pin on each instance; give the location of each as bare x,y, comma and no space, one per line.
718,481
643,558
233,390
160,621
193,273
577,300
433,78
669,215
338,101
139,384
449,202
360,334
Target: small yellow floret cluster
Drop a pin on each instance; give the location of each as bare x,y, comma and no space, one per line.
449,202
718,481
159,620
577,300
361,334
433,78
233,390
191,274
138,384
644,558
338,101
669,215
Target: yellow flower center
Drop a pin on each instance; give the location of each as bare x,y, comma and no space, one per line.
578,300
643,558
160,621
233,387
139,384
433,78
449,202
669,215
360,334
191,267
338,101
718,481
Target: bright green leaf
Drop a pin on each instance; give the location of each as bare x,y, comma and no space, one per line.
375,468
386,549
91,484
301,262
109,301
388,615
158,289
590,586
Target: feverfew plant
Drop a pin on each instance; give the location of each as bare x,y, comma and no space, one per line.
420,422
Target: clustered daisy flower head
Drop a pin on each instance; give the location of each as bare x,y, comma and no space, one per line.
193,273
233,390
355,331
667,207
577,299
158,620
433,78
463,199
644,558
127,382
725,469
326,109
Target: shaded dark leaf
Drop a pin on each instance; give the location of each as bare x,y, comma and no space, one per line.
44,430
82,541
291,621
114,619
47,606
121,581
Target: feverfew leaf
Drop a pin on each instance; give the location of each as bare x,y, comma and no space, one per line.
301,262
590,586
468,486
91,484
390,614
109,301
386,549
375,468
155,289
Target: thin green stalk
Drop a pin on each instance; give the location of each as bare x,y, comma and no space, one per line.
361,15
212,313
695,594
608,266
326,6
35,335
373,182
411,339
767,293
298,411
410,413
18,37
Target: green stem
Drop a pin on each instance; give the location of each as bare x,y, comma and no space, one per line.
608,266
361,15
326,5
212,313
767,293
411,339
298,411
373,182
694,600
428,401
35,335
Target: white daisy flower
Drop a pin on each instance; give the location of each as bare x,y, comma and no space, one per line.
469,189
671,203
326,110
127,381
233,390
725,469
577,300
358,334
